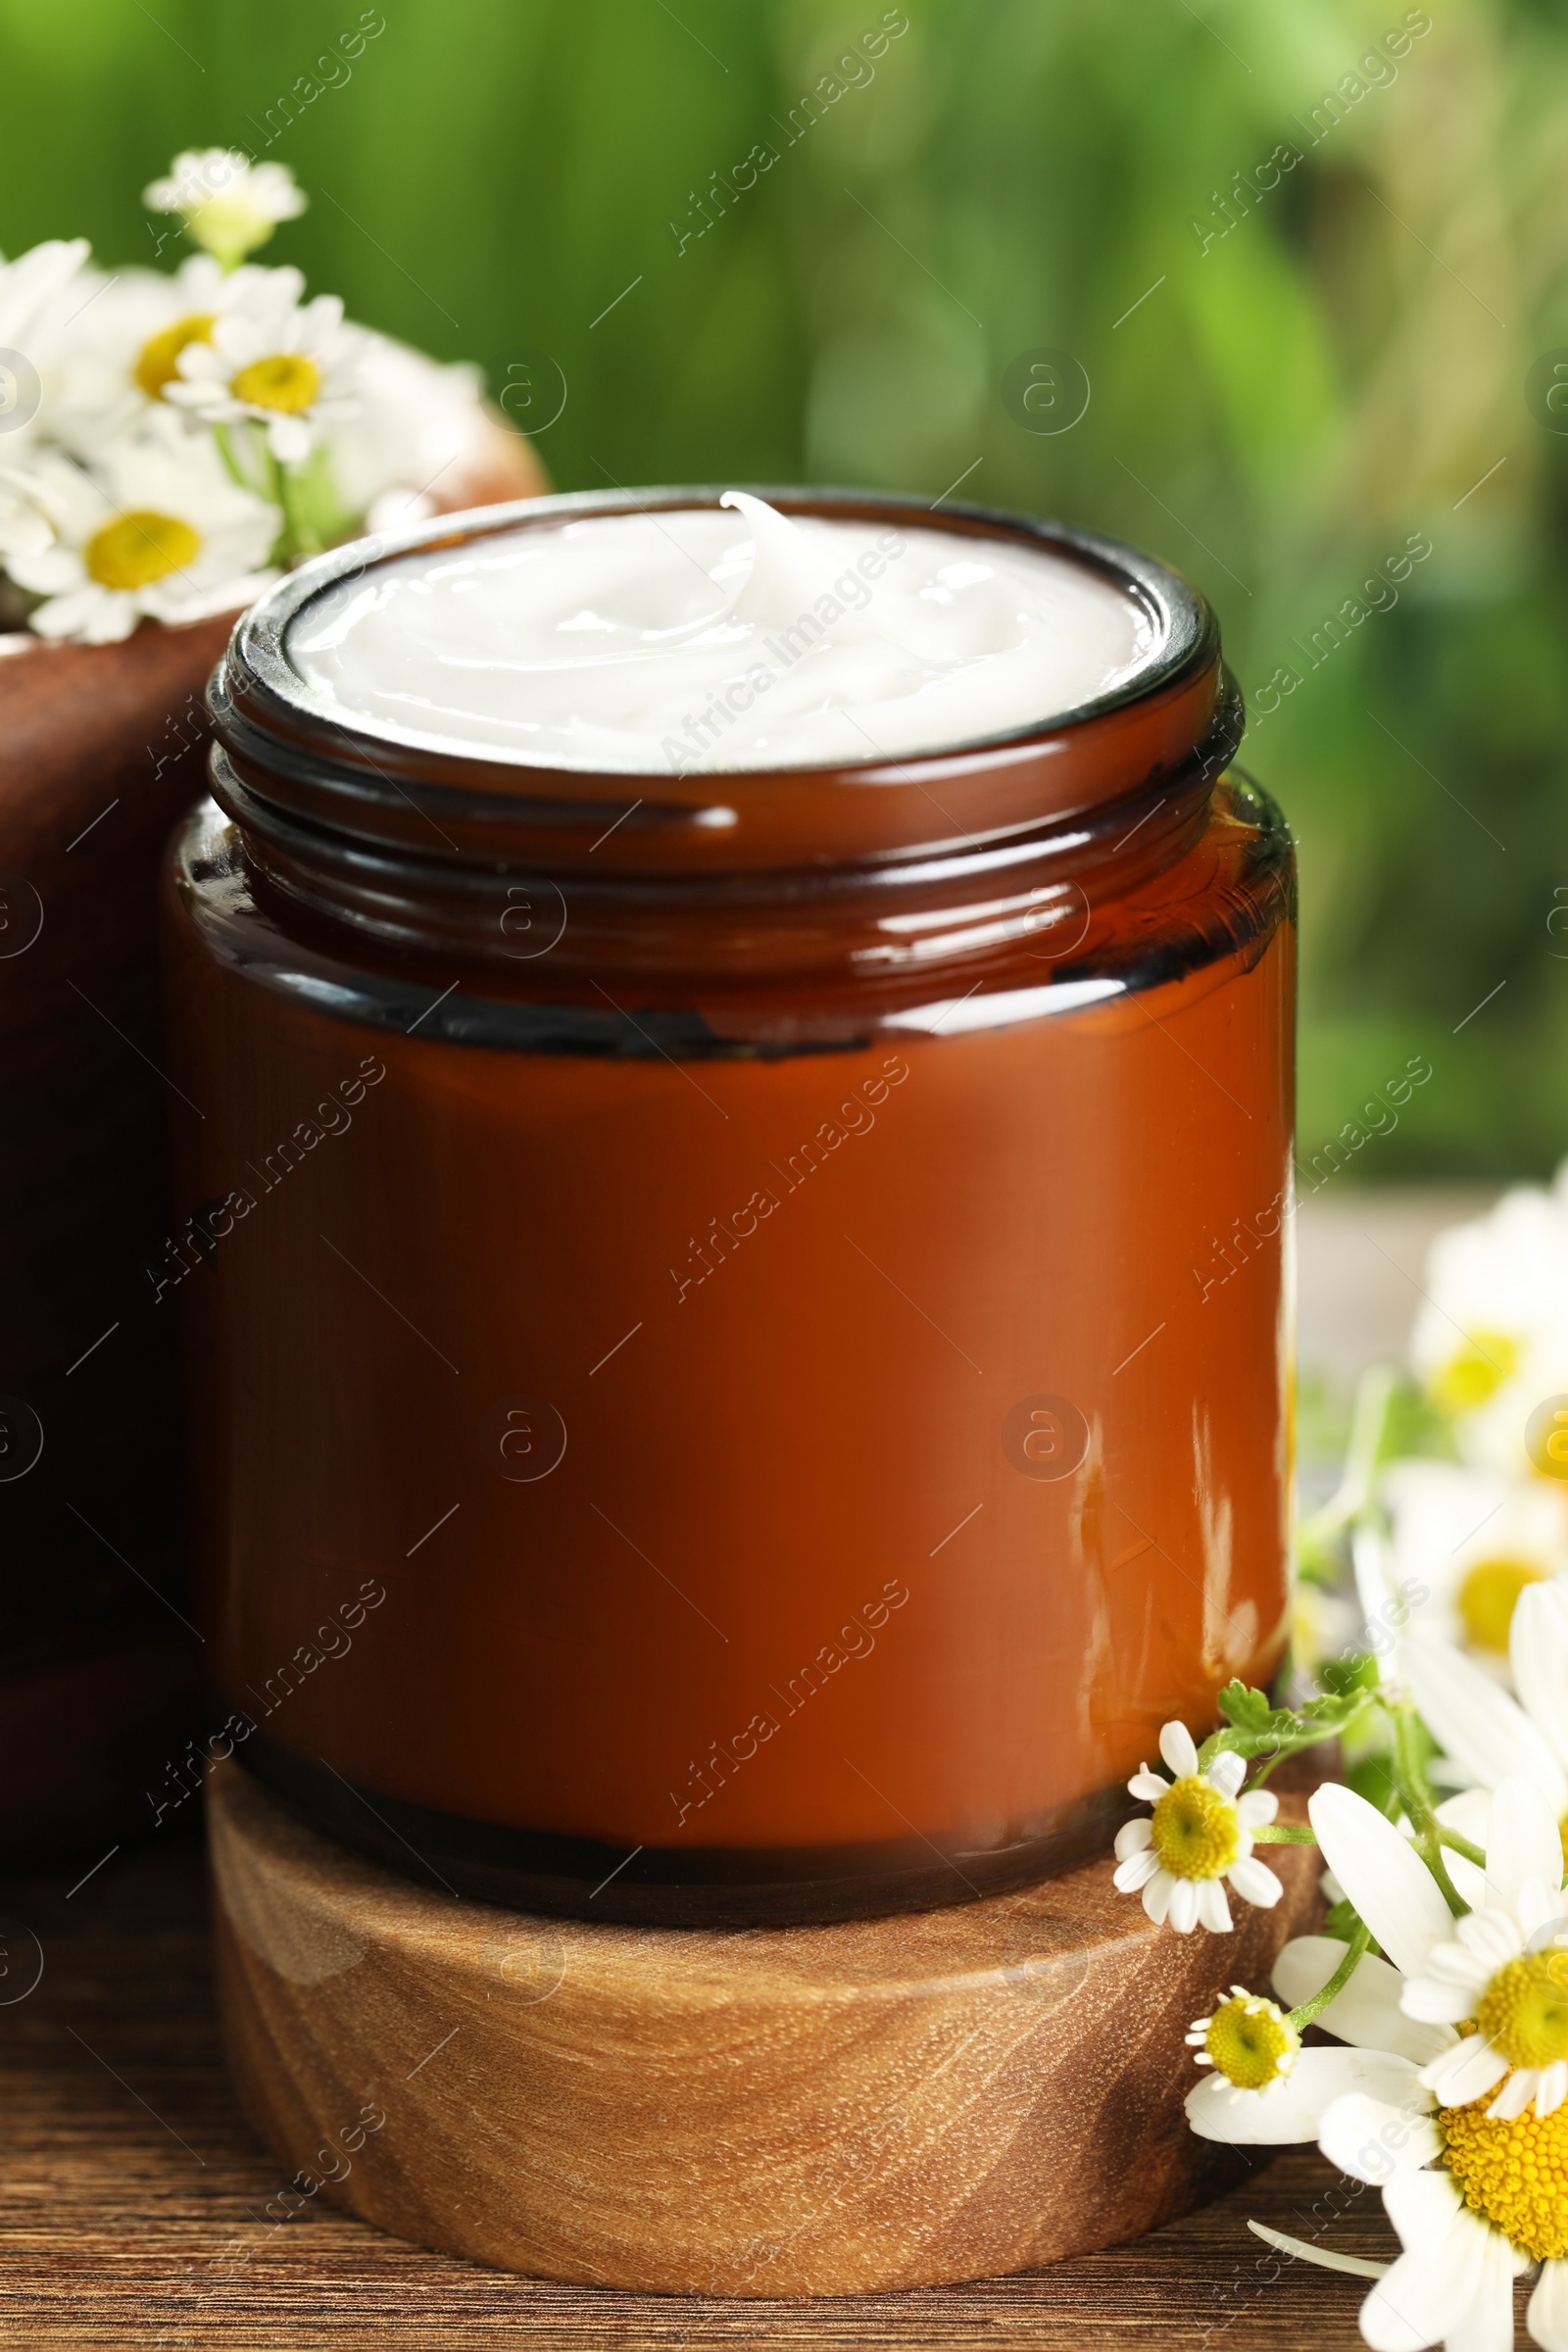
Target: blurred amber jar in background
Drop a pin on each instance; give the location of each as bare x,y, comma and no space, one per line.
737,1321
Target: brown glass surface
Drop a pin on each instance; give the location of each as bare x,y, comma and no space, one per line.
909,1301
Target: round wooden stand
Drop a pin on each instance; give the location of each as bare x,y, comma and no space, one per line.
777,2112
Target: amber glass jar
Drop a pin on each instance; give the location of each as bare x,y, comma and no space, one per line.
738,1322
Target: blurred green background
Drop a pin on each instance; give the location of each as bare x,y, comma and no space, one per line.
1275,409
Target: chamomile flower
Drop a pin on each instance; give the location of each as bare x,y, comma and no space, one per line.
122,353
1464,1543
1493,1737
30,285
1491,1339
1197,1835
1251,2041
37,291
229,206
158,532
1474,2174
287,367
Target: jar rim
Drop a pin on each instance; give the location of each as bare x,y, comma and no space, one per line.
1163,597
296,749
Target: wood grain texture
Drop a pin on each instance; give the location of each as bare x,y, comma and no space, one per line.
782,2112
134,2202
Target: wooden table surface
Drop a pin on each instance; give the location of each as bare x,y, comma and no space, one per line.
131,2198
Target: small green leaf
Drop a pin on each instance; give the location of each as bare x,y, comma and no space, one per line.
1341,1675
1249,1710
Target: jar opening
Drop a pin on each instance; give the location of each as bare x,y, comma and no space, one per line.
294,749
726,638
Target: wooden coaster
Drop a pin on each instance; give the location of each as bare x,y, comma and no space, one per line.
779,2112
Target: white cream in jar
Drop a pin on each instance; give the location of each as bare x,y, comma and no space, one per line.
675,639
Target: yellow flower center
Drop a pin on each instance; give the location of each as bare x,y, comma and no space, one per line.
1484,1361
287,381
138,548
1195,1832
1524,2010
1250,2042
1513,2174
158,361
1487,1597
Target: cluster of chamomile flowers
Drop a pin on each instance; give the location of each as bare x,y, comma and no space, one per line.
1437,2070
167,441
1444,1986
1463,1526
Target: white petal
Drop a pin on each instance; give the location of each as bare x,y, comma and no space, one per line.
1477,1721
1488,2325
1423,2208
1437,2001
1182,1908
1227,1771
1382,1874
1469,1813
1367,2012
1177,1747
1136,1871
1131,1838
1547,2316
1372,1562
1212,1909
1468,1879
1299,2251
1256,1883
1523,1842
1372,2139
1293,2109
1156,1894
1517,2091
1540,1915
289,439
1552,2088
1257,1806
1467,2072
1538,1651
1148,1786
1435,2280
1491,1936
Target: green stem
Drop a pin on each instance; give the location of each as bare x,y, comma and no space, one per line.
1374,1400
225,450
1288,1744
298,539
1311,2010
1277,1744
1462,1845
1279,1833
1411,1779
